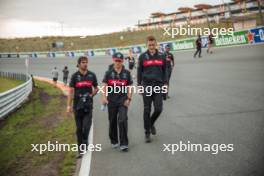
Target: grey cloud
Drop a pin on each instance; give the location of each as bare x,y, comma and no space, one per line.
88,13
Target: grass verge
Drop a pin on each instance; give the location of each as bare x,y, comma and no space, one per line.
40,120
7,84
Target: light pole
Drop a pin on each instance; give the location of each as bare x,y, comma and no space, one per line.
159,15
260,11
189,15
61,26
229,11
228,6
204,8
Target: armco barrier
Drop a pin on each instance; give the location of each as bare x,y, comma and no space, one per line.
249,36
12,99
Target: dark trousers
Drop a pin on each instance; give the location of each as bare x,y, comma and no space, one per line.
65,79
117,115
83,120
169,70
198,50
149,120
169,73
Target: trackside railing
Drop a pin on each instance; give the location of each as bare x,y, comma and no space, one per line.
13,98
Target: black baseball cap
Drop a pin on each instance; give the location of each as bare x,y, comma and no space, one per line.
168,46
118,57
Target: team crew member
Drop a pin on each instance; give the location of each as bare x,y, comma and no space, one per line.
210,44
198,44
152,72
170,65
117,102
83,86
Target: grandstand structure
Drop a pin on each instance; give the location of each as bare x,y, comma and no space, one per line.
236,11
73,43
238,14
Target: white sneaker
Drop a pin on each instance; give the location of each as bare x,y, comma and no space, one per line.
124,148
115,145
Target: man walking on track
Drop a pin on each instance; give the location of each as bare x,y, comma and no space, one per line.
152,73
65,72
117,102
55,76
198,44
170,66
131,63
83,86
210,44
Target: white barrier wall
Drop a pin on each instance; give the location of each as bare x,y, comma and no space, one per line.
12,99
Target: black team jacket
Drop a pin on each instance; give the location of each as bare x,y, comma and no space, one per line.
152,69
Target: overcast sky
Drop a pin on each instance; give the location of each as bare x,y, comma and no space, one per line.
20,18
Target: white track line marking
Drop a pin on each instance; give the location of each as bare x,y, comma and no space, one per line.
86,159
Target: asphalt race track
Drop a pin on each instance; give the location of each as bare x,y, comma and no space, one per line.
216,99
